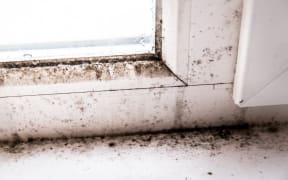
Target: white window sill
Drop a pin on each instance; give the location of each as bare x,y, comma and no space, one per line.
61,79
259,153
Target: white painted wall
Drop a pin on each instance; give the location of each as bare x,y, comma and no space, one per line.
209,54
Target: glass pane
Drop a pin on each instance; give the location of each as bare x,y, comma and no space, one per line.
67,28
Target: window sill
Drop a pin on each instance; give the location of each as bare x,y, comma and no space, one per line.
86,77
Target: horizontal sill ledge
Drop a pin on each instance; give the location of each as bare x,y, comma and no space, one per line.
86,77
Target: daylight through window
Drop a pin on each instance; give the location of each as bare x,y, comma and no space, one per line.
41,29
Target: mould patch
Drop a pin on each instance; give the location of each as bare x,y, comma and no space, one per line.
82,72
211,139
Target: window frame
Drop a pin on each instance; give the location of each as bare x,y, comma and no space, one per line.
90,59
142,70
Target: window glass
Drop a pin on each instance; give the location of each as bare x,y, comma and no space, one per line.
40,29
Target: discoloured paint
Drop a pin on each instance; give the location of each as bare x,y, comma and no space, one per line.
116,112
125,96
159,21
79,60
201,39
124,111
87,114
200,67
86,77
83,72
222,153
205,138
215,27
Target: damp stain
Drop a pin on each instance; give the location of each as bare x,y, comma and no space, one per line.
64,73
211,139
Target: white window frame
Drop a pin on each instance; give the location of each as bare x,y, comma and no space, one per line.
44,46
169,47
261,76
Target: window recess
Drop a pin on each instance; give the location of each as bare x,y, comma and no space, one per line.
55,29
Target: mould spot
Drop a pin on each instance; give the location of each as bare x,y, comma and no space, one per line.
272,129
98,73
82,109
1,81
182,136
237,14
16,138
112,144
225,134
198,62
138,69
229,48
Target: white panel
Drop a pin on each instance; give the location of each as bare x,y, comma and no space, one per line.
176,27
214,33
272,94
200,39
115,112
263,57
